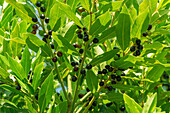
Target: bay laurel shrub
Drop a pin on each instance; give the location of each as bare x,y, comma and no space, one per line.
79,56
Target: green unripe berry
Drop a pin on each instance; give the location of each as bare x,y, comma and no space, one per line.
112,64
105,77
100,76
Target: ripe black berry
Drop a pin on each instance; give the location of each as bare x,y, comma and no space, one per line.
104,71
90,98
81,51
132,48
80,60
140,47
44,39
109,104
110,69
45,35
110,88
94,103
88,66
138,52
122,108
54,59
79,35
138,42
75,45
38,4
34,19
20,57
76,68
76,63
113,82
113,76
84,28
47,20
86,38
52,46
83,71
31,80
99,72
149,27
33,32
107,66
35,27
145,34
115,48
81,95
101,83
123,74
73,63
118,78
36,97
95,40
90,108
42,16
18,87
43,9
59,54
87,89
74,78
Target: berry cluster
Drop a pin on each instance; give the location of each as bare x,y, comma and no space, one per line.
149,28
136,49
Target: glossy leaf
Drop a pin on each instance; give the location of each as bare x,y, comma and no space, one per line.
86,4
123,31
104,57
46,92
92,81
48,4
26,61
73,4
130,105
29,105
60,108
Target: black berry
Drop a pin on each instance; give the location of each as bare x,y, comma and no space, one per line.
118,78
86,38
76,68
52,46
115,48
47,20
88,66
109,104
43,9
18,87
73,63
78,27
33,32
113,76
122,108
140,47
138,42
76,63
104,71
123,74
79,35
110,88
31,80
38,4
145,34
95,40
20,57
54,59
36,97
132,48
94,103
81,51
45,35
84,28
99,72
35,27
138,52
113,82
149,27
110,69
90,98
83,71
44,39
42,16
74,78
101,83
90,108
107,66
34,19
87,89
81,95
80,60
59,54
75,45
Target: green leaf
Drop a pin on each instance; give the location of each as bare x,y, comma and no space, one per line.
104,57
3,73
17,68
137,26
130,105
37,75
29,105
153,6
102,22
61,108
18,40
126,87
67,10
9,88
26,61
20,10
118,97
123,30
155,73
46,92
150,105
48,4
92,81
73,4
62,42
116,5
143,6
86,4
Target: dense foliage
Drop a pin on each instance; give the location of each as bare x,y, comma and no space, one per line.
107,56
